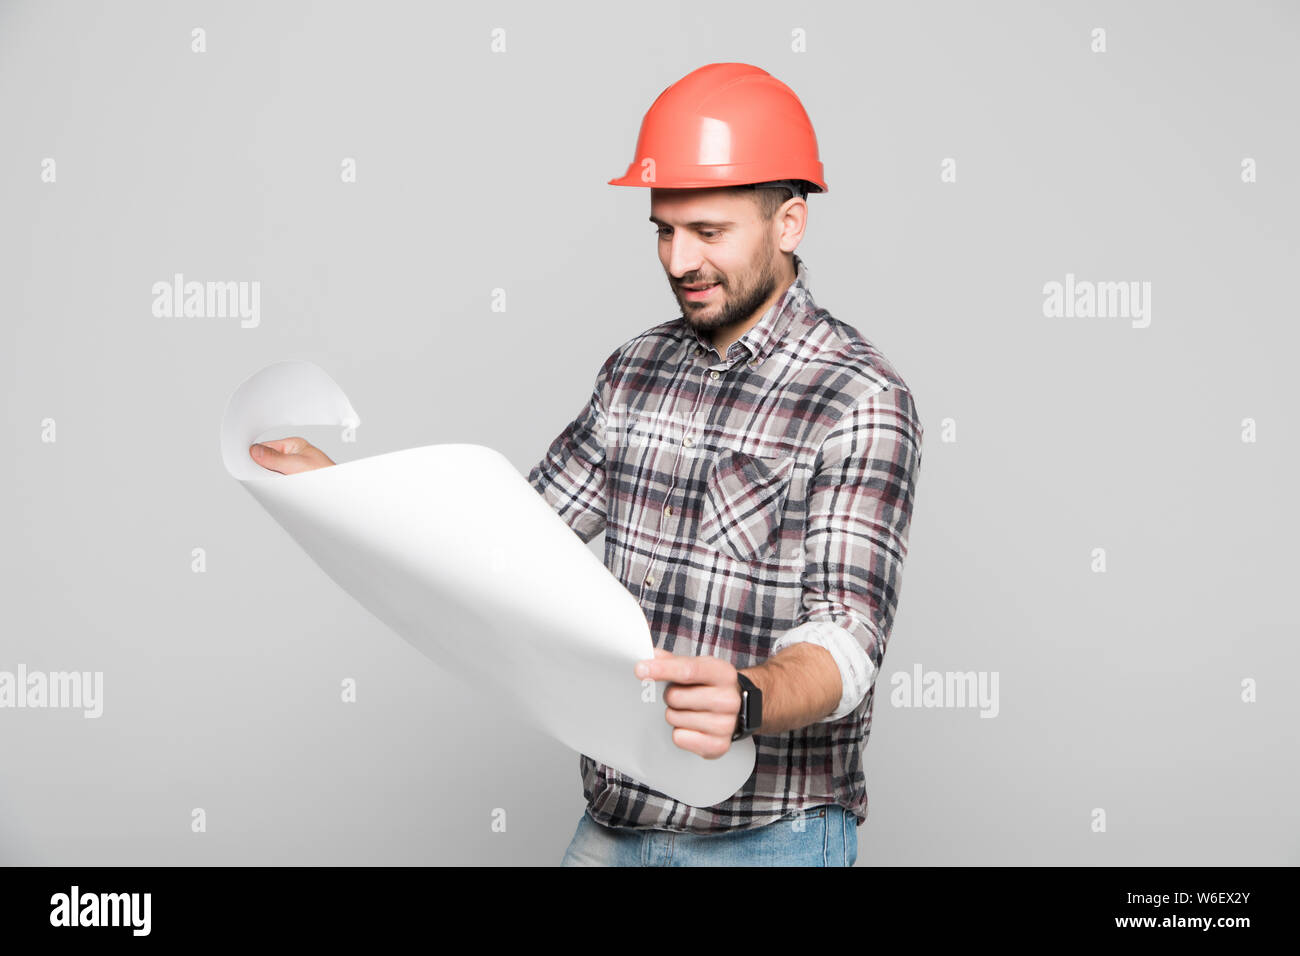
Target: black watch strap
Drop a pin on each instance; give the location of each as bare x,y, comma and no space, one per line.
750,717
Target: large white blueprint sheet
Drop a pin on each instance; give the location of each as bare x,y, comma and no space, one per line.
451,547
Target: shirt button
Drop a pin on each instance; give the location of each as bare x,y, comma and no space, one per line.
713,374
688,442
668,509
650,580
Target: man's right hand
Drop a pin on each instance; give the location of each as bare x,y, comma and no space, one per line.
289,456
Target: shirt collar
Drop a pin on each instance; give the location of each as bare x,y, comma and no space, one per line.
768,331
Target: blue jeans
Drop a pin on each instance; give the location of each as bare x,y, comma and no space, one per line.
818,836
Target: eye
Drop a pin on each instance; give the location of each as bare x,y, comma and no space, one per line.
708,233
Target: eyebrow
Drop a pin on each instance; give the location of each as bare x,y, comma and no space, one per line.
698,223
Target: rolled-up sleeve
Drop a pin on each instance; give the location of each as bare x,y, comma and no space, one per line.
571,475
860,501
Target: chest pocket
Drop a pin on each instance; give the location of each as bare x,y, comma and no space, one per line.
744,500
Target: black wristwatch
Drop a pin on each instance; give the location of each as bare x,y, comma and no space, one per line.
750,717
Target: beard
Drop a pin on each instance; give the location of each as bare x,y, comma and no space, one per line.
740,297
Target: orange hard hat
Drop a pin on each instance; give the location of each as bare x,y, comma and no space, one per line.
725,124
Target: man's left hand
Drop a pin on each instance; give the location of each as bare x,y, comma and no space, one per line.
702,698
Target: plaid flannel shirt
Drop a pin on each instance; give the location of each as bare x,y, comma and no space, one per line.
749,501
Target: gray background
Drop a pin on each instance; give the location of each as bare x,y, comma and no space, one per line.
476,171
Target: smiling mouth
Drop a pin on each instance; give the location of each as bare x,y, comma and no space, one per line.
699,292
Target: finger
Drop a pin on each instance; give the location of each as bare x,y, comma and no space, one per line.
274,460
287,446
642,666
681,669
710,748
706,722
705,697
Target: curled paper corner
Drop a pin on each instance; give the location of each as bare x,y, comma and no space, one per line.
287,393
453,549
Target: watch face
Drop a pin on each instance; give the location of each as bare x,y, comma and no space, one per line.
751,707
742,715
751,704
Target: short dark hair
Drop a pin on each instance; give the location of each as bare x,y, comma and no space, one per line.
769,199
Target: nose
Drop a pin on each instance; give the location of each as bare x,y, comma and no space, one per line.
684,256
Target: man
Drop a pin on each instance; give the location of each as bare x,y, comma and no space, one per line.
753,465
